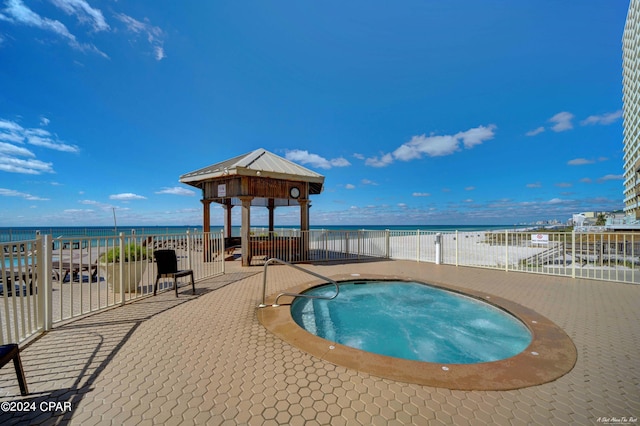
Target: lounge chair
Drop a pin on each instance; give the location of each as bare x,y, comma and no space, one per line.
72,271
167,264
16,283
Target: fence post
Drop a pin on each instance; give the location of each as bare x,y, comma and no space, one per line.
573,253
188,250
325,234
224,262
418,245
44,259
346,242
506,250
121,267
438,248
387,243
456,247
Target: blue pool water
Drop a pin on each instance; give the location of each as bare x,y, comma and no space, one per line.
412,321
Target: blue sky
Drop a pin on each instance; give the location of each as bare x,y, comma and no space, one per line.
417,112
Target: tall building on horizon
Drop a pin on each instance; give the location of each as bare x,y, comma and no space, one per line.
631,109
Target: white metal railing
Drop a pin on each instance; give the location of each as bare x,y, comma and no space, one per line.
610,256
49,280
291,265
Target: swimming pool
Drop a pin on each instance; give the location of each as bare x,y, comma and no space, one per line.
412,321
550,354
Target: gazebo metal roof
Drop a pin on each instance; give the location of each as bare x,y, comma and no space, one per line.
257,163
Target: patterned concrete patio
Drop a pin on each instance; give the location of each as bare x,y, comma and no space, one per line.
205,359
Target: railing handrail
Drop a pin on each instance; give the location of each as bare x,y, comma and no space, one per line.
309,296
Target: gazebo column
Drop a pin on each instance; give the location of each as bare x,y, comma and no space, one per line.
206,215
304,228
271,206
227,217
206,229
245,230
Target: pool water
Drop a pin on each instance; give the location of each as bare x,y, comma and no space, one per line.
412,321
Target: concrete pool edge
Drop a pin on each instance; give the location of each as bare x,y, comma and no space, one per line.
550,355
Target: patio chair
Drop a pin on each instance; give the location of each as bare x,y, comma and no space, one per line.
167,264
12,352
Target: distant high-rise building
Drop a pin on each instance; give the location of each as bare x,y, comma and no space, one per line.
631,109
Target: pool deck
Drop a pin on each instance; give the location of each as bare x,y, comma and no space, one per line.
205,359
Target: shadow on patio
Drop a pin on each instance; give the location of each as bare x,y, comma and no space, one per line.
63,364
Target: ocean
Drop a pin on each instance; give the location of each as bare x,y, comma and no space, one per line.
27,233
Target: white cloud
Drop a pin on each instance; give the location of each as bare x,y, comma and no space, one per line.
12,135
433,146
101,206
579,162
436,146
368,182
12,150
349,186
562,121
535,131
557,201
610,177
40,137
73,211
10,126
127,196
17,12
383,161
470,188
421,194
155,35
30,167
476,136
305,157
12,193
603,119
534,185
84,12
177,190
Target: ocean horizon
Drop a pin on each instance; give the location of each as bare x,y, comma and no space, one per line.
17,233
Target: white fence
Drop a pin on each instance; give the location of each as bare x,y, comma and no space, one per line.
46,281
612,256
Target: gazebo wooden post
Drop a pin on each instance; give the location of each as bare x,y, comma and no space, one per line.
304,228
206,229
271,206
245,230
227,218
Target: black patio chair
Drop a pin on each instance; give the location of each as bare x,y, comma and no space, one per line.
12,352
167,264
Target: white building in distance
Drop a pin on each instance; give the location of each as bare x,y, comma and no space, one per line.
631,109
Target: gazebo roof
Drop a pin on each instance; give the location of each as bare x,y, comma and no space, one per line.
260,162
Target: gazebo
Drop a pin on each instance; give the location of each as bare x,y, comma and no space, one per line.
258,178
